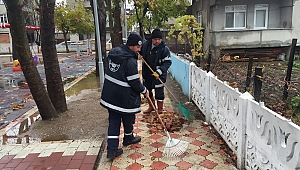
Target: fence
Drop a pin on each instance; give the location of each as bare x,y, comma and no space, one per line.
261,138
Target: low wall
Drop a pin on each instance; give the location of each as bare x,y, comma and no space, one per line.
180,72
261,138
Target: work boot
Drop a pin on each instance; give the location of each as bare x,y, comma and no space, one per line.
160,106
129,140
111,154
150,108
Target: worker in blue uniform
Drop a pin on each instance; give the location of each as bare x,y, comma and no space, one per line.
158,57
121,93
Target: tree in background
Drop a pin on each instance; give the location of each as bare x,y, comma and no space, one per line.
187,29
151,14
21,46
115,22
54,82
73,19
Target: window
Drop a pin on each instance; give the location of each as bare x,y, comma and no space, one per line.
1,2
261,16
235,16
3,18
199,17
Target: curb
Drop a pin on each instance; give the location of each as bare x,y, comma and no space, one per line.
102,162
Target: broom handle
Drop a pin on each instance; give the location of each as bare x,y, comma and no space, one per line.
162,123
160,80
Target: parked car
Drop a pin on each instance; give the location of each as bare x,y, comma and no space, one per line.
109,46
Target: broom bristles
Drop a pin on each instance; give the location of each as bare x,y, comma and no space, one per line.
175,147
187,114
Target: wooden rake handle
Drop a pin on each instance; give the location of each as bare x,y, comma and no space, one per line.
160,80
162,123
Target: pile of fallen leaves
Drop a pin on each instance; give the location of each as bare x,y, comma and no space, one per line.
16,106
172,120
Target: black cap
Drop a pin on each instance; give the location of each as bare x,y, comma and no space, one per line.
134,39
156,33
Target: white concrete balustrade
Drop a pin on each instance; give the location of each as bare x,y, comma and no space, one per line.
261,138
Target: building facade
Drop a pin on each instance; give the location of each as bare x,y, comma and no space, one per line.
243,24
5,38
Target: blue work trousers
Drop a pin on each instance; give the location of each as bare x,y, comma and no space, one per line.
115,119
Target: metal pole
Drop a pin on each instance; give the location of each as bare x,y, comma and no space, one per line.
101,68
125,19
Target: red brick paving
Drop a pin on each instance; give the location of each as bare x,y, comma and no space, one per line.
159,165
157,144
208,164
90,159
155,136
216,142
157,154
135,155
79,155
22,166
87,166
193,135
31,157
175,136
197,143
190,129
6,159
184,165
134,166
135,146
202,152
55,161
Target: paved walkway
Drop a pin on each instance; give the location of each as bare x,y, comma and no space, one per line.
56,155
203,153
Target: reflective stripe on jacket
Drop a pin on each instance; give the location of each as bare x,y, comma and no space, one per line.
122,86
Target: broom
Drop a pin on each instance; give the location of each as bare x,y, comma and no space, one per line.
186,113
173,147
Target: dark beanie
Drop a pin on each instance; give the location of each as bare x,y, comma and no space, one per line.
156,34
134,39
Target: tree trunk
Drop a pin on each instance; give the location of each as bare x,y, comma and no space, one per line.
66,42
53,77
32,76
139,20
110,17
116,36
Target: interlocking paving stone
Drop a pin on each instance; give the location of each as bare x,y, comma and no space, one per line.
203,152
47,158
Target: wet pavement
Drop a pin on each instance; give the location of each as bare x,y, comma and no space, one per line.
15,96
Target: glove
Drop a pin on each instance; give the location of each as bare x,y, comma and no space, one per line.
155,75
